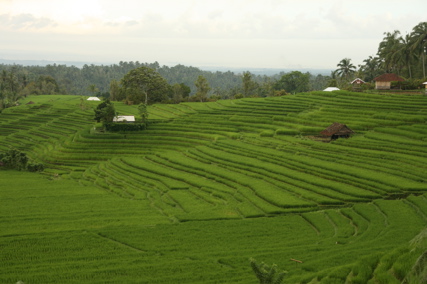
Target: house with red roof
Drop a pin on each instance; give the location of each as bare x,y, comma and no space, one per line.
383,82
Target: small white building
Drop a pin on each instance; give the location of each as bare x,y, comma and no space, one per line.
93,99
124,118
330,89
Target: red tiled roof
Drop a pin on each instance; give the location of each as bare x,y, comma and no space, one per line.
337,128
388,77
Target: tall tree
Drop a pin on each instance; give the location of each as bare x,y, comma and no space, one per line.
371,68
248,85
143,112
294,82
105,112
387,51
419,43
145,85
203,88
115,94
180,92
345,68
9,88
404,55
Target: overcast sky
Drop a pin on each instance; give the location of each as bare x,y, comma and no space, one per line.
230,33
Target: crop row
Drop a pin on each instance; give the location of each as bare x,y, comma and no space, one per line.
364,243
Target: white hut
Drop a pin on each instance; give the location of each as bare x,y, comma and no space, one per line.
330,89
93,99
124,118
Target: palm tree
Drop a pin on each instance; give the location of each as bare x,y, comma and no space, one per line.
387,49
346,68
404,54
371,68
419,42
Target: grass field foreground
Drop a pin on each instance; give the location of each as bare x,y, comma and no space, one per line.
210,185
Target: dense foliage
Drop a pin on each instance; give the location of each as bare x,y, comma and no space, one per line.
104,80
404,55
17,160
143,85
105,112
124,127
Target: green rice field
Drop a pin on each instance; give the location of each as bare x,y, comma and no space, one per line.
210,185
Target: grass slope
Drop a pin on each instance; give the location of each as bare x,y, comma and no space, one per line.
210,185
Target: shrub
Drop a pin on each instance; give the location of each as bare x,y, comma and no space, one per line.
35,167
287,132
115,127
14,159
267,133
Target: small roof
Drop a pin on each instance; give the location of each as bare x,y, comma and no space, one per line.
93,99
357,80
388,77
330,89
337,129
122,118
425,83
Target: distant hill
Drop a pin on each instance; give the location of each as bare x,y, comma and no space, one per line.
237,70
78,64
266,71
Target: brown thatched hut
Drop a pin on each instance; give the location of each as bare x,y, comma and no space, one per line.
383,82
337,130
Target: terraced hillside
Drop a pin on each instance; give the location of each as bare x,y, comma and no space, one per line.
347,208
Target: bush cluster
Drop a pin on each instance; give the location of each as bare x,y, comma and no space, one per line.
116,127
410,84
35,167
15,159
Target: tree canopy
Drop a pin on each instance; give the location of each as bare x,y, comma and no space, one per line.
203,88
345,68
294,82
105,112
144,85
404,55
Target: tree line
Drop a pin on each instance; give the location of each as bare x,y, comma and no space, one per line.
185,82
404,55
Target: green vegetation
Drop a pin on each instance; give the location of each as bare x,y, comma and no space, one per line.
143,85
105,112
18,81
402,55
208,186
17,160
267,274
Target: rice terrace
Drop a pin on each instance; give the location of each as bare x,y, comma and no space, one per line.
208,186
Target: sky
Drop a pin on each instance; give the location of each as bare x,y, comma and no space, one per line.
227,33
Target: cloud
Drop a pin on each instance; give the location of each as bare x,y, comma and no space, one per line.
264,32
25,21
216,14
